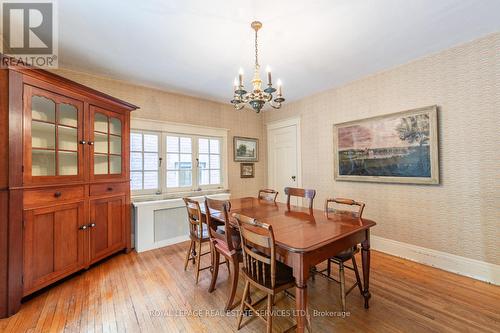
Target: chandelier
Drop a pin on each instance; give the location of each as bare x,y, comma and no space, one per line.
257,98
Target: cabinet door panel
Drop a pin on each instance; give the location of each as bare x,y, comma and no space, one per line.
108,234
53,137
53,244
109,135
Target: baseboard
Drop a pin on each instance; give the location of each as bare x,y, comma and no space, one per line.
476,269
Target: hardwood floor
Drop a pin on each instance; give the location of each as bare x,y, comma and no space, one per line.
137,292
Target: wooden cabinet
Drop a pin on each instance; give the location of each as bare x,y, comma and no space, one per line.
108,231
53,244
64,180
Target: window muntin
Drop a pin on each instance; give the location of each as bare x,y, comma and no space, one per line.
209,161
179,161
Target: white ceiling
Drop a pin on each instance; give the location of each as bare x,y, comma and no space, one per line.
196,46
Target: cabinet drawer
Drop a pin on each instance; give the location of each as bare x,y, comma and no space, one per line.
52,195
109,188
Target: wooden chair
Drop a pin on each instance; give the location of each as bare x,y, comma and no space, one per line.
198,232
260,268
346,255
268,194
226,241
300,192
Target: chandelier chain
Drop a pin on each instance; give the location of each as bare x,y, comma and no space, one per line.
256,51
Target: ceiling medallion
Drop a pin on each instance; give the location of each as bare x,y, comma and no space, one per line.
257,98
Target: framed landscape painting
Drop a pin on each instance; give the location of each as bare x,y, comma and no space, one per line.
246,149
395,148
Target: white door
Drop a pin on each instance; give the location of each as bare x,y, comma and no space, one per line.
283,158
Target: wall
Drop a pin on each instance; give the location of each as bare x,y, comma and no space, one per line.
157,104
460,216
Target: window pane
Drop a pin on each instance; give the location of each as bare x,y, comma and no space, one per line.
43,135
43,109
203,160
186,162
150,161
172,178
68,163
115,145
135,141
100,143
136,180
100,122
115,126
43,162
185,178
172,161
115,164
203,146
204,177
172,144
100,164
214,161
67,137
214,176
186,145
150,180
136,161
214,146
151,142
68,115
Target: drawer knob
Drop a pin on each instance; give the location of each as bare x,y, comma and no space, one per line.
110,189
92,225
83,227
57,194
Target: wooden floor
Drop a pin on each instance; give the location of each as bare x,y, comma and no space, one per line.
150,292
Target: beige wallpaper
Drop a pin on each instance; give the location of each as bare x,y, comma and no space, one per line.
156,104
462,215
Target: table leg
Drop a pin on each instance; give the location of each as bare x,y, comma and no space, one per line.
301,275
365,256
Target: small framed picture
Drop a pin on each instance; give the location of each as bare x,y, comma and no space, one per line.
247,170
246,149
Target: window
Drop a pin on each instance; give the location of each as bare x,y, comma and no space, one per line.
144,161
192,161
209,161
179,161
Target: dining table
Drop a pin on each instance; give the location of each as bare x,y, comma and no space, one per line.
306,237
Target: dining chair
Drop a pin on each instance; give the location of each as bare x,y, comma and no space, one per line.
346,255
226,241
260,267
300,192
198,233
268,194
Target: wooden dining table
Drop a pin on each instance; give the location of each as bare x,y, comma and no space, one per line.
306,237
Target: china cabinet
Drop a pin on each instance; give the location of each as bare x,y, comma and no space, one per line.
64,180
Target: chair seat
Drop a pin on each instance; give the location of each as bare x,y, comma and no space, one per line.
346,254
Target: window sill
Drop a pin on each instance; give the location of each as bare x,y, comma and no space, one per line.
176,195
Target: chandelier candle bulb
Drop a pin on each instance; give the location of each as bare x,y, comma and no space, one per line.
279,87
269,81
240,77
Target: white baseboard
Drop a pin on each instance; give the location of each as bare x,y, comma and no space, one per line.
476,269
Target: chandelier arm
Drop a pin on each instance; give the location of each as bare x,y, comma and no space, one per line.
239,106
275,105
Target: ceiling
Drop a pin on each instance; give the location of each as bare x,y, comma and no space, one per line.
196,47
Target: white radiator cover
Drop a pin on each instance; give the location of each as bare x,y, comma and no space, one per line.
163,222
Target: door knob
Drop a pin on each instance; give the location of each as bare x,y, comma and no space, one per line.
92,225
83,227
90,143
83,142
293,178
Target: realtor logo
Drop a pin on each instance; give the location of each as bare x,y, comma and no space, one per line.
29,33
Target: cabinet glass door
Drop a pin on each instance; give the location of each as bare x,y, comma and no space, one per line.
53,132
107,133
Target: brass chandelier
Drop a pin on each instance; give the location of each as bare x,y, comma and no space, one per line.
257,98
